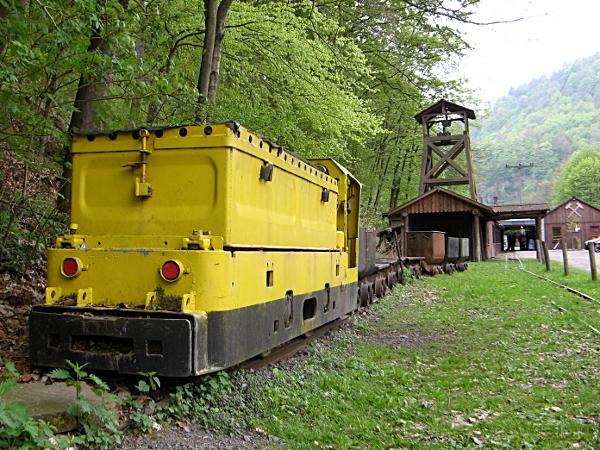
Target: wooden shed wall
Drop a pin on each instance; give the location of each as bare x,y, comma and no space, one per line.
436,203
555,225
559,215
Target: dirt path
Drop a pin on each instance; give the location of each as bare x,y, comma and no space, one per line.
190,436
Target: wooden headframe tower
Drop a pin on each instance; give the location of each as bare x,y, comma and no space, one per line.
445,137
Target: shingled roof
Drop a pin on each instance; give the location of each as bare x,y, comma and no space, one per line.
442,107
441,191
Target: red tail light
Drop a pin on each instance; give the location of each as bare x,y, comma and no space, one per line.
71,267
171,270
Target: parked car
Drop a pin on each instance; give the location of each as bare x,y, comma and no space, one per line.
596,242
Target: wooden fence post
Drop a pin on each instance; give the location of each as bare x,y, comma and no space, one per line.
563,244
546,256
592,261
538,244
538,239
476,236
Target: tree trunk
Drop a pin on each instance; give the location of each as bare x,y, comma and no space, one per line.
217,50
380,184
140,49
91,87
210,29
377,164
396,179
382,178
411,170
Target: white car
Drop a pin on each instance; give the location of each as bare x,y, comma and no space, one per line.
596,243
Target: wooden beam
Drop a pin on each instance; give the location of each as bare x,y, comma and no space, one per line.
470,170
563,244
592,254
444,155
538,238
446,181
476,236
448,160
405,230
546,257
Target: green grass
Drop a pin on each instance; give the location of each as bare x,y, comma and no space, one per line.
477,358
577,278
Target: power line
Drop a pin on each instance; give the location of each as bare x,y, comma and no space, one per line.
519,167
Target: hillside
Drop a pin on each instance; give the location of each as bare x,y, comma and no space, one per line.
542,122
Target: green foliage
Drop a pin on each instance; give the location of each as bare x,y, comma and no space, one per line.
139,419
17,428
151,382
543,122
323,79
218,402
98,424
29,220
580,177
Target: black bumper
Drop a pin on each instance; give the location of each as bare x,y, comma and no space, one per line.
124,341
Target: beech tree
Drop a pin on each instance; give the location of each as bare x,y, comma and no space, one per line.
215,13
580,177
330,79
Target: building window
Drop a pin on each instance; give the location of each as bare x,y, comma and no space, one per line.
556,233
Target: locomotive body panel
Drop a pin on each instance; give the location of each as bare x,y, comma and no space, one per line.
211,280
202,182
260,246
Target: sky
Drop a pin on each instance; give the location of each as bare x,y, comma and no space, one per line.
552,33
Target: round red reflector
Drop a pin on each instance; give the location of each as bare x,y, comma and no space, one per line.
170,270
70,267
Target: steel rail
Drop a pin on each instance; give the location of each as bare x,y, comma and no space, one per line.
569,289
563,286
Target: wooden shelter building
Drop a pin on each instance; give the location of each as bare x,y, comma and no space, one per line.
459,216
447,161
574,220
443,210
535,211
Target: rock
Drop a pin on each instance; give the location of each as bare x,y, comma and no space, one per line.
50,402
123,394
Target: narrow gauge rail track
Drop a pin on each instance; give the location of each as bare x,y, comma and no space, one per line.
556,283
563,286
567,288
292,347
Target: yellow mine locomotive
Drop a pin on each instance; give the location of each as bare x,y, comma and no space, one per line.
194,248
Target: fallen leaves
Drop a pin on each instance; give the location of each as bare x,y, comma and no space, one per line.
479,415
185,426
17,295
